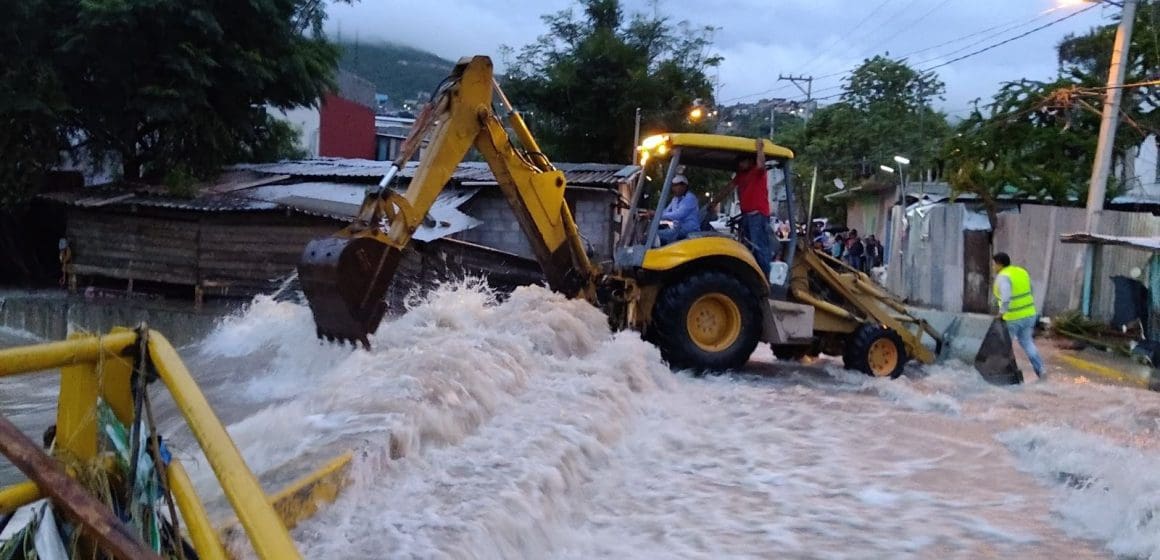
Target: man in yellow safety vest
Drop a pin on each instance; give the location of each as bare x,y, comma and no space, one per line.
1017,306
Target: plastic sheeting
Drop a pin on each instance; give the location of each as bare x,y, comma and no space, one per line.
996,358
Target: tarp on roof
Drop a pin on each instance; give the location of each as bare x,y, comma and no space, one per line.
342,200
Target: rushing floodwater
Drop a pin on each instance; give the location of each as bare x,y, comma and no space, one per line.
527,430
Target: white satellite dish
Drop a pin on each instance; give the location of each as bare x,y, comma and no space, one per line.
838,183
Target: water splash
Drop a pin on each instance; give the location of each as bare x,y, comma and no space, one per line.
1106,491
524,428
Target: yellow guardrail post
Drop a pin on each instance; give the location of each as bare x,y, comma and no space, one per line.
53,355
201,531
18,495
269,536
76,410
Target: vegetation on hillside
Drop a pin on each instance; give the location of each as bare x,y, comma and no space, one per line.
399,72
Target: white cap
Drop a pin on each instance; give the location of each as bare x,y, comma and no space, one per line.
680,179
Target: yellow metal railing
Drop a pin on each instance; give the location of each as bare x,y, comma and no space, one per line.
101,366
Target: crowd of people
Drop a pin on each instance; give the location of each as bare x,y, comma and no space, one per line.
860,253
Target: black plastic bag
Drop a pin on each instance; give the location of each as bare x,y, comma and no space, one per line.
1130,303
996,358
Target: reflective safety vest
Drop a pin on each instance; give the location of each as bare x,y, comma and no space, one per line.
1022,303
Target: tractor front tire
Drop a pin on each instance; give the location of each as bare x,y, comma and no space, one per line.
708,321
875,351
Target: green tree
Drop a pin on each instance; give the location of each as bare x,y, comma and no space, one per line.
1030,141
170,89
582,81
32,104
1038,139
166,83
884,111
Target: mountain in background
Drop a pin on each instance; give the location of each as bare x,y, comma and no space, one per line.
398,71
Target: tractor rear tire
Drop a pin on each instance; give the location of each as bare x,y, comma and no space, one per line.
875,351
709,321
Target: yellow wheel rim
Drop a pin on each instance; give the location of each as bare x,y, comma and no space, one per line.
882,357
714,322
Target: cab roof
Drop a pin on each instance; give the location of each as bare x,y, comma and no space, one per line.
715,151
735,144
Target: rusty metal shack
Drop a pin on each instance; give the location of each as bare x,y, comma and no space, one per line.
243,234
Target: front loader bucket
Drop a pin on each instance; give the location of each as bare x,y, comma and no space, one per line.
980,340
345,281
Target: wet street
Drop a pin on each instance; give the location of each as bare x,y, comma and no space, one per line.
527,430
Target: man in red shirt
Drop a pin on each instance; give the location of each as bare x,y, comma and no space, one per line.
753,193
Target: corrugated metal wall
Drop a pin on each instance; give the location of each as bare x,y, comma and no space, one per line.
1031,237
244,252
932,255
930,271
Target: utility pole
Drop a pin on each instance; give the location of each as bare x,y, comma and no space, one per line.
635,138
1101,167
807,91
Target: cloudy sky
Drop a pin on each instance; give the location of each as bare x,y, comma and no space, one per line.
761,38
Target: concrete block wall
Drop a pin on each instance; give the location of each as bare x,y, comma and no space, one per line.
593,215
500,230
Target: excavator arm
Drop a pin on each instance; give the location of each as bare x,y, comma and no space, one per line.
345,277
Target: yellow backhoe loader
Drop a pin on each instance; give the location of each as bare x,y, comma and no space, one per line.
704,301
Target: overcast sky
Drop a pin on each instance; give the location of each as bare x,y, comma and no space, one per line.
761,38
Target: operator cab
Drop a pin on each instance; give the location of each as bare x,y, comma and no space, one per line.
703,162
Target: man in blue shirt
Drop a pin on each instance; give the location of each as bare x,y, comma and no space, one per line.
682,211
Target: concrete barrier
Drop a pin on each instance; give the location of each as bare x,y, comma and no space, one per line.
52,315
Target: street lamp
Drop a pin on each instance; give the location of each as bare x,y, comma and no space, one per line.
901,161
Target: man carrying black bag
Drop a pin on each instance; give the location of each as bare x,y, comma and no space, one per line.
1016,319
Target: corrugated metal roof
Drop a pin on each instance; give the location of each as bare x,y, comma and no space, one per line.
92,198
601,174
1147,243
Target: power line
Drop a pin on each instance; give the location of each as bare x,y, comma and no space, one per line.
910,25
976,52
836,40
1002,29
1005,28
766,92
891,18
1017,37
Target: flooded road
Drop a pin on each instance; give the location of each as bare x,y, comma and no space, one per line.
526,429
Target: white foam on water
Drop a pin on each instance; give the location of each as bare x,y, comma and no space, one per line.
526,429
1105,491
11,336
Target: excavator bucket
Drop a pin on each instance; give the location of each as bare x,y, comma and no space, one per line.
989,350
345,281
